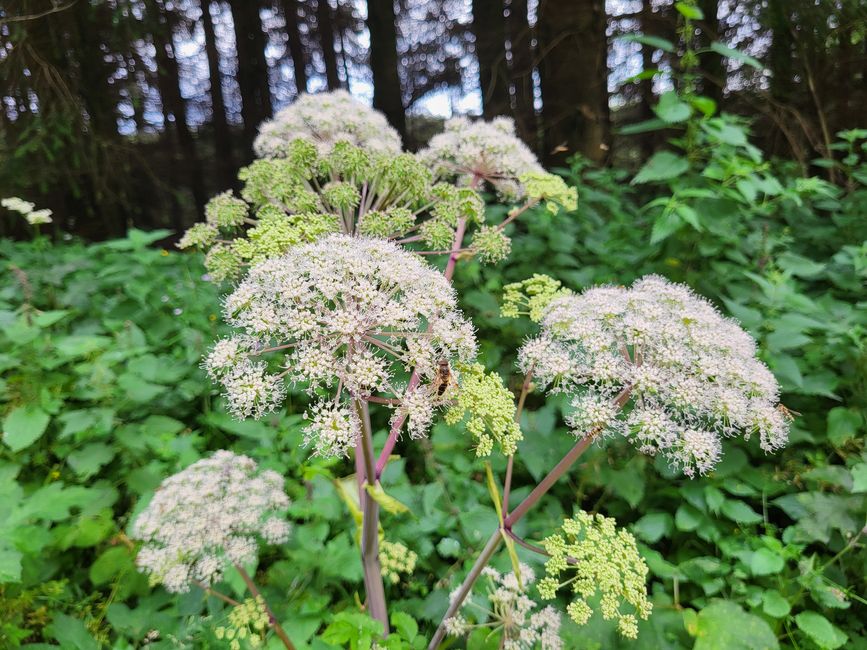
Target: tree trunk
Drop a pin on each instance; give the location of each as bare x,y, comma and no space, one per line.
711,64
780,53
252,68
222,137
489,31
521,73
174,106
296,48
387,95
325,28
574,78
647,141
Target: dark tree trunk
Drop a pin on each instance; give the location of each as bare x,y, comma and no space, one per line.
325,28
222,137
521,73
780,53
574,78
252,68
387,94
174,106
489,31
711,64
647,141
296,48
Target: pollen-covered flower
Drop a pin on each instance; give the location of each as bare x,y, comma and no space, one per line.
325,119
207,517
589,557
512,613
351,317
689,376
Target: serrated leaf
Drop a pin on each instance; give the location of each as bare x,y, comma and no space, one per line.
671,109
723,625
765,562
662,166
825,635
740,512
774,605
23,426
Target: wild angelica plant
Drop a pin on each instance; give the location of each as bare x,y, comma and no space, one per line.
330,242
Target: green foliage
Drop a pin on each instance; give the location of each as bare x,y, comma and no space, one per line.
101,397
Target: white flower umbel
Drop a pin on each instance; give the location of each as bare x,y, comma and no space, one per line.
486,150
207,517
691,375
513,613
351,317
26,209
324,119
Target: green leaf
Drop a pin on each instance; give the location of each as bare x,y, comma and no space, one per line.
740,512
89,459
687,518
653,526
688,10
662,166
112,563
449,547
668,223
843,424
10,565
388,503
765,562
71,633
823,633
645,126
723,625
736,55
405,625
774,605
859,477
23,426
671,110
651,41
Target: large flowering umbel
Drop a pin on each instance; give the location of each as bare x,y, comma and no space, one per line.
685,375
589,557
325,119
512,613
471,151
209,516
309,194
350,318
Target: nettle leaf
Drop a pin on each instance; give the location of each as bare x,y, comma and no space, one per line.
740,512
653,526
71,633
820,630
774,605
671,109
723,625
23,426
843,424
10,565
662,166
765,562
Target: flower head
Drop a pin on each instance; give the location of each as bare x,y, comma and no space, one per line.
350,316
325,119
26,209
689,375
599,559
207,517
522,624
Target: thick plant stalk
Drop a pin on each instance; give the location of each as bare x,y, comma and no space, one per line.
516,515
373,584
275,624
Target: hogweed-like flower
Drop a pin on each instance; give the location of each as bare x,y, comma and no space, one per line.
690,374
512,613
247,623
396,559
325,119
531,297
350,317
598,559
209,516
27,210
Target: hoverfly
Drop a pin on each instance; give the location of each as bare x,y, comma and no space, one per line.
443,379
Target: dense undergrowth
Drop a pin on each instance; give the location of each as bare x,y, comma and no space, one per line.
102,396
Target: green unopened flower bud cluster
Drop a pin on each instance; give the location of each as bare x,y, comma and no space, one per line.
489,408
551,189
530,297
601,560
247,624
396,559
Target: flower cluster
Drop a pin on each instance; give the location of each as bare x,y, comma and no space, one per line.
690,375
489,151
247,622
531,297
325,119
207,517
309,194
396,559
512,612
602,560
26,210
491,410
351,317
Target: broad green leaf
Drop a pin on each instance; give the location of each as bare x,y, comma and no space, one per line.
653,526
843,424
662,166
859,478
740,512
71,633
723,625
666,224
23,426
10,565
689,10
646,39
671,109
765,562
773,604
89,459
823,633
